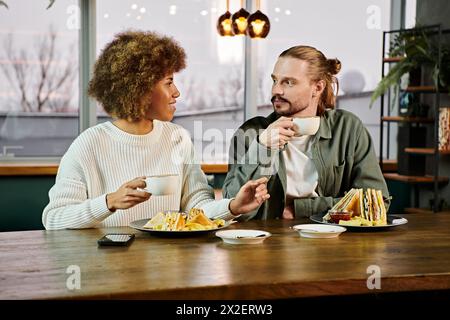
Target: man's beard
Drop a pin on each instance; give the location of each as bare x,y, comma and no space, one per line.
286,113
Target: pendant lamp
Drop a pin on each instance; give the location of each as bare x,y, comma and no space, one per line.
224,24
239,20
258,23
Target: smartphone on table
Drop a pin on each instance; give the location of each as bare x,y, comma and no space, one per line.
116,239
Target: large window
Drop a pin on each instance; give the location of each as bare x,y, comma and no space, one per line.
212,86
38,78
39,85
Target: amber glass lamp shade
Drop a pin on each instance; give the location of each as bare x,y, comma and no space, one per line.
225,25
240,22
258,25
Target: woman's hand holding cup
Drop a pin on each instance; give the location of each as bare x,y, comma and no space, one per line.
127,196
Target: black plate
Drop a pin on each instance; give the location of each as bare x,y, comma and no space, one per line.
138,225
319,219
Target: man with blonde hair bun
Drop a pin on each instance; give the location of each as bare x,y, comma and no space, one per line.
308,173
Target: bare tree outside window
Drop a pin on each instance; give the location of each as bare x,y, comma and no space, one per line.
51,2
231,88
39,88
42,78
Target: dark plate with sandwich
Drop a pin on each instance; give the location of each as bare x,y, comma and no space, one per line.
179,224
360,210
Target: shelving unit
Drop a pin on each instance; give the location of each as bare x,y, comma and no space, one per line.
416,179
392,59
407,119
421,89
421,210
430,123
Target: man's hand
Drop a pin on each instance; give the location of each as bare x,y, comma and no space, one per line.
250,196
289,212
127,196
277,133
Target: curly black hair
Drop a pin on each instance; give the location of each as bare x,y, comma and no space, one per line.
129,67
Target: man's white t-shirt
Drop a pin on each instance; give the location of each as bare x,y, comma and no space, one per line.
301,173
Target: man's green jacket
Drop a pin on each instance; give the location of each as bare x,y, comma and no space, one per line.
342,152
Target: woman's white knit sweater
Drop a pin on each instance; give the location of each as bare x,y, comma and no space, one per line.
104,157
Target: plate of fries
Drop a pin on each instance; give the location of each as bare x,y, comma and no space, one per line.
173,223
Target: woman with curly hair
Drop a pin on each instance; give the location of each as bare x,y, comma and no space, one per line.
101,177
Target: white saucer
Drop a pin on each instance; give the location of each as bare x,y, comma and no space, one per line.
243,236
318,230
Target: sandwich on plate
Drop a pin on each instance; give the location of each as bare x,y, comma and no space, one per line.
167,221
359,208
178,221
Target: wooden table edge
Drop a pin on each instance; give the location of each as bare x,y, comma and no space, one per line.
275,291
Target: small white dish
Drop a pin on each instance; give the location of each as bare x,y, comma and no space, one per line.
318,230
399,221
243,236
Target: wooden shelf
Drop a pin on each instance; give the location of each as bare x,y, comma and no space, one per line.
393,59
427,151
424,89
407,119
390,165
414,179
422,210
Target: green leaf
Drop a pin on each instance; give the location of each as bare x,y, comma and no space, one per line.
50,4
392,79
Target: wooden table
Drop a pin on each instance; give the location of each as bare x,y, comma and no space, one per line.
412,257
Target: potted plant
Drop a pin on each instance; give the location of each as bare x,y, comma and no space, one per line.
416,50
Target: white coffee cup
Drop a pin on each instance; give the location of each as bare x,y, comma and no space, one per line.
306,126
161,185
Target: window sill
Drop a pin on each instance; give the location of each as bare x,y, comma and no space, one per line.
50,169
28,169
